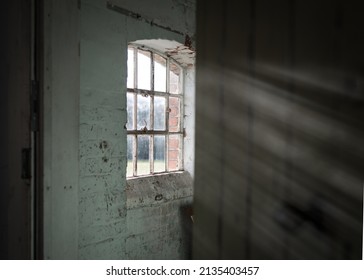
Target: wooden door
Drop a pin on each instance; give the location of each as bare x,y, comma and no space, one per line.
15,153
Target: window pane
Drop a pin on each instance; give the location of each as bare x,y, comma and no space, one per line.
130,81
159,153
143,112
160,73
174,114
166,151
174,78
143,155
174,148
130,110
144,62
129,166
159,113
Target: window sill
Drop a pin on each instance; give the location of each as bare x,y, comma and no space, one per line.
153,190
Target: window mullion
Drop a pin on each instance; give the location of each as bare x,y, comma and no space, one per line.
167,116
135,151
182,114
135,138
151,141
135,68
135,87
135,146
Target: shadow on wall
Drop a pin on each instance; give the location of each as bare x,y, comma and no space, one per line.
284,170
158,226
186,218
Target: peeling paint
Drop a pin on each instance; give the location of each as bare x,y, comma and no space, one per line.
104,229
185,55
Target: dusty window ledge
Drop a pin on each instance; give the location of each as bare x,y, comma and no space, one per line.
153,190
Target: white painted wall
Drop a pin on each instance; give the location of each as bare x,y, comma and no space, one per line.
85,55
102,198
61,129
104,37
175,14
189,121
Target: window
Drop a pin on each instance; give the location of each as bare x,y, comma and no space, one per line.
155,113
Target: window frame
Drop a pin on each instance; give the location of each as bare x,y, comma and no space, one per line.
152,93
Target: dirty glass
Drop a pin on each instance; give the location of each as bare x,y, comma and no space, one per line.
174,147
160,73
159,153
159,113
130,110
129,166
144,71
143,112
130,80
174,78
174,114
143,165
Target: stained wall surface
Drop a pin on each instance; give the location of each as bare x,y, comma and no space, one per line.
80,50
108,229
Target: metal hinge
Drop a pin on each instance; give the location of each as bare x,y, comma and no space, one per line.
34,106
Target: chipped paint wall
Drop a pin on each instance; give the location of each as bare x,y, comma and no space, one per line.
105,223
102,212
158,221
178,15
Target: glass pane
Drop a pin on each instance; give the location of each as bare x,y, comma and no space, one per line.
130,81
159,113
174,149
130,110
174,114
160,73
144,71
159,153
174,78
129,166
143,155
143,112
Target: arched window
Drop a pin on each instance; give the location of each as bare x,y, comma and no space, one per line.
155,113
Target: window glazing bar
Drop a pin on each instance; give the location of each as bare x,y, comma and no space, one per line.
151,141
167,117
135,138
